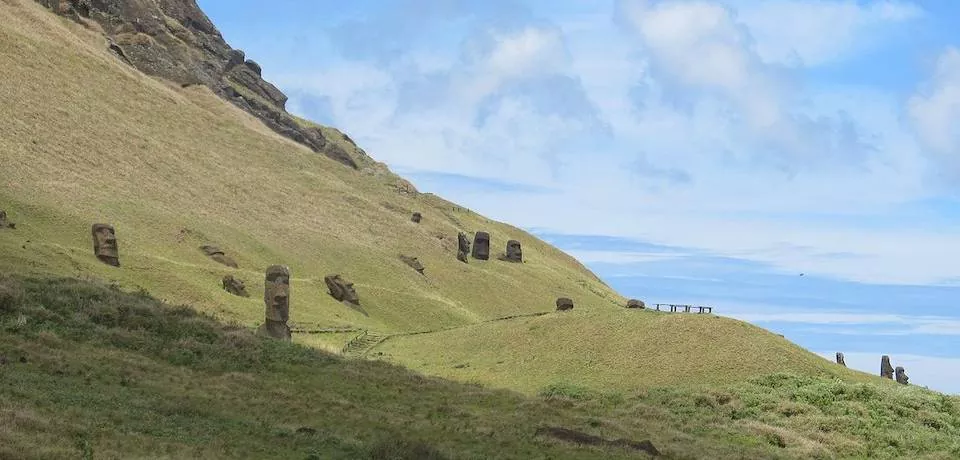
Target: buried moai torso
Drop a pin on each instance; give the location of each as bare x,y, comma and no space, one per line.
513,253
902,376
413,262
416,217
341,289
4,223
463,247
840,360
218,255
234,286
564,303
276,299
886,370
105,244
481,246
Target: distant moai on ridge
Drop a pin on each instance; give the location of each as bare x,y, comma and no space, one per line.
513,253
276,299
886,370
4,223
105,244
217,254
463,247
341,289
416,217
564,304
481,246
902,376
840,359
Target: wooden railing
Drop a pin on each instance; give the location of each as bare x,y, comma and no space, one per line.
677,308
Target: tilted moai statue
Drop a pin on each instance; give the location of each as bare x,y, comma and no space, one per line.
105,244
413,262
234,286
463,247
218,255
481,246
341,289
513,253
416,217
902,376
4,223
840,359
564,304
276,297
886,370
634,303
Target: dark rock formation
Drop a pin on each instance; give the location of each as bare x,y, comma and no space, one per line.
341,289
902,376
234,286
564,304
218,255
416,217
513,253
105,244
463,247
4,223
413,262
175,40
634,303
840,359
568,435
276,298
481,246
886,370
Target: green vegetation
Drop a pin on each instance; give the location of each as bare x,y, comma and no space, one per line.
111,374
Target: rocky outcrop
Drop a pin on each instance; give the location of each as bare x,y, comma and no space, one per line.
175,40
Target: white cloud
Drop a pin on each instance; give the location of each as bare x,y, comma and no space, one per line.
935,111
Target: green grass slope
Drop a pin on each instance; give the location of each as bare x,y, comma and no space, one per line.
610,349
89,371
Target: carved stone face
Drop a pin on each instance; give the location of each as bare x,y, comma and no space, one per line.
902,376
105,244
276,293
886,370
481,246
514,253
341,289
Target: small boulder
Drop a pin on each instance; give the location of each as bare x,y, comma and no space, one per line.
416,217
413,262
902,376
634,303
234,286
840,359
886,370
481,246
341,289
564,304
218,255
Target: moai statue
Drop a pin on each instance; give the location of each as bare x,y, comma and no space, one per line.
840,359
4,223
234,286
513,253
886,370
341,289
634,303
564,304
902,376
218,255
105,244
416,217
481,246
413,262
463,247
276,297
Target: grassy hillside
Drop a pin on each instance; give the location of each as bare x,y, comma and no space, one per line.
609,349
89,371
89,139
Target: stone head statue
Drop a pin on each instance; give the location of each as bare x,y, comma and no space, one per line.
514,253
3,221
886,370
416,217
341,289
564,304
481,246
276,293
217,254
902,376
840,360
105,244
413,262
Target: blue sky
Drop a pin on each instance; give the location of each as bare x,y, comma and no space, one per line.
699,151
